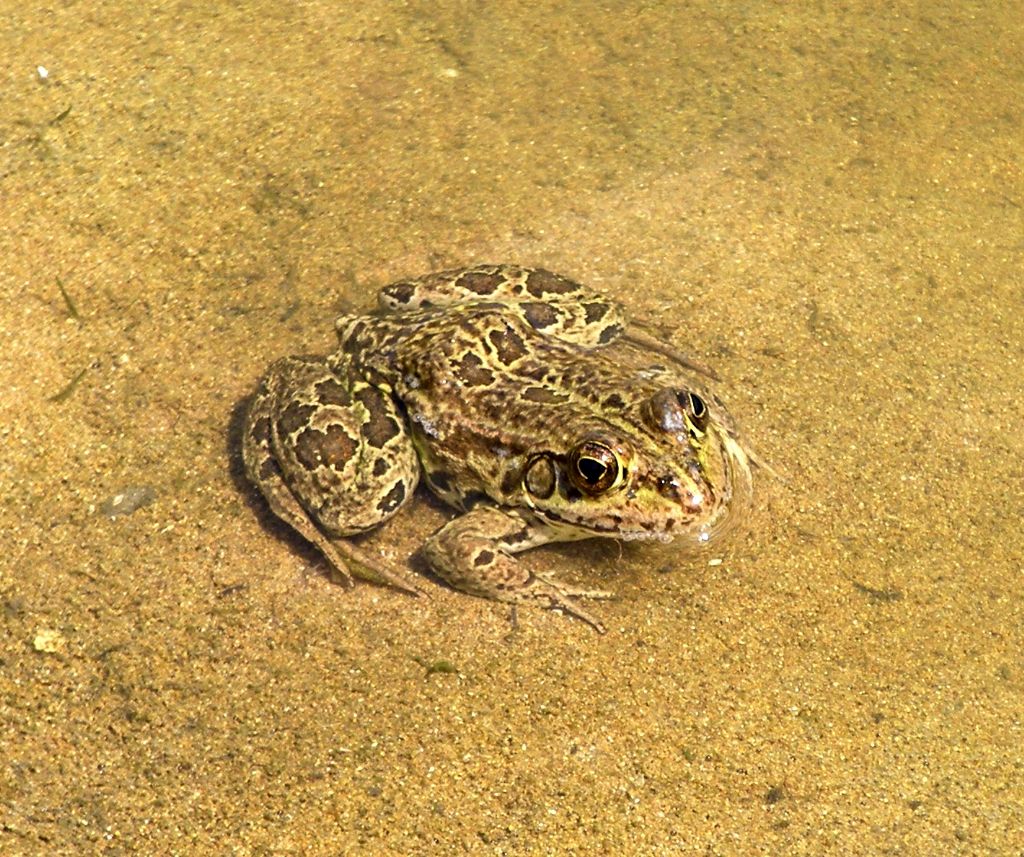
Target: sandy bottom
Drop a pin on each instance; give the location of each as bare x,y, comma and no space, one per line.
827,208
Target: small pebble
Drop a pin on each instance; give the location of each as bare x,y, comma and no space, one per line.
48,641
128,500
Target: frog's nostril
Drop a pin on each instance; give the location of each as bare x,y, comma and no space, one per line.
668,485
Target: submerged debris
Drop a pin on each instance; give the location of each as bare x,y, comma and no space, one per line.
70,304
69,388
436,666
881,595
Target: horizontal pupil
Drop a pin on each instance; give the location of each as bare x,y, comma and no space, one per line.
591,469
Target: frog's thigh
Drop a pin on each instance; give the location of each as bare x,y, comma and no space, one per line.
468,554
341,445
289,394
263,469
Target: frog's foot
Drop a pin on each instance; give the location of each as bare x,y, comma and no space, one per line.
548,593
348,559
641,338
473,554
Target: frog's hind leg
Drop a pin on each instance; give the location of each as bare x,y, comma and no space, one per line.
504,283
295,425
548,302
642,339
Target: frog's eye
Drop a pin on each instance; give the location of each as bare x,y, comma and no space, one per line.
695,408
594,468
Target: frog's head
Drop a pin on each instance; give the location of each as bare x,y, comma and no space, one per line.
673,469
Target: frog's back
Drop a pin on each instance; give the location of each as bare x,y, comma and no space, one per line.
483,391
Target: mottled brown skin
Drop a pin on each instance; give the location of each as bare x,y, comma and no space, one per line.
492,382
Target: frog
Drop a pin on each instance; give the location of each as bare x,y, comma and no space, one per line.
499,387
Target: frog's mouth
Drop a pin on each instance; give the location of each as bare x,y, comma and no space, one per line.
573,530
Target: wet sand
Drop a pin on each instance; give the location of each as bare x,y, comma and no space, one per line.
827,207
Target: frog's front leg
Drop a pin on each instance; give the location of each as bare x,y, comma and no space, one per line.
330,453
474,554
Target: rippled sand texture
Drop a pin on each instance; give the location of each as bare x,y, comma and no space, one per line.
827,206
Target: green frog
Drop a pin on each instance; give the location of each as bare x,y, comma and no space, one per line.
495,384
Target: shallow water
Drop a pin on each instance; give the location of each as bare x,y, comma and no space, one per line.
826,206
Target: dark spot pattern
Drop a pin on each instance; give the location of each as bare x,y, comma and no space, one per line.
595,311
668,485
332,448
381,426
269,468
480,282
485,557
539,315
471,371
614,401
509,481
610,333
516,538
541,282
508,345
544,396
331,392
294,417
260,430
354,343
381,466
393,499
400,293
